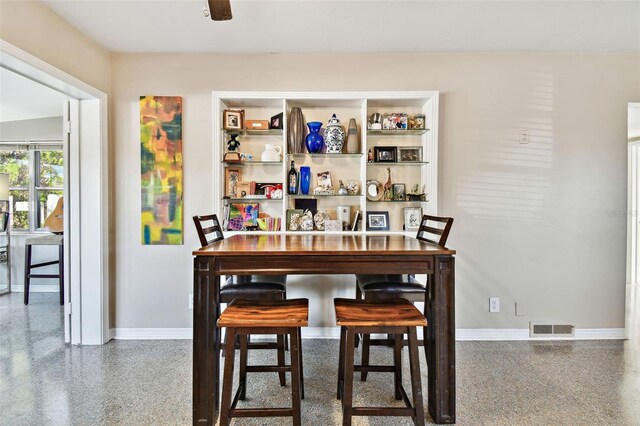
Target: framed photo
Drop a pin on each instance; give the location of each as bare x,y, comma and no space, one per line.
233,119
276,121
384,154
324,180
294,219
410,154
398,192
412,218
377,221
232,179
417,121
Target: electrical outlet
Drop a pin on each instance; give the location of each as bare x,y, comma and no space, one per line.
191,301
524,136
494,304
519,309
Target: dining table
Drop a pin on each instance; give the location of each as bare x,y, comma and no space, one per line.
294,254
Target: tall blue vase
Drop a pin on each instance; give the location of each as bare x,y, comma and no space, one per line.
314,140
305,179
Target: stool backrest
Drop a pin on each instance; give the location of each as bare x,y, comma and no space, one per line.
211,233
435,235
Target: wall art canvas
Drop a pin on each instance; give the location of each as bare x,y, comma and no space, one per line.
243,215
161,169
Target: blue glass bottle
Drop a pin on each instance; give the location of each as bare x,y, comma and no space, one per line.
314,140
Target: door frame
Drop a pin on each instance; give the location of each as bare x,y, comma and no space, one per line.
87,210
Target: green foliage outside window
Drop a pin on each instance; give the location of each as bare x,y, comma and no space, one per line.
50,180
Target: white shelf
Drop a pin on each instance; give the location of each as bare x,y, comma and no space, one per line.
319,106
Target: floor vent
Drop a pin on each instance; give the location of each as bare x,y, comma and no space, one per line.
551,330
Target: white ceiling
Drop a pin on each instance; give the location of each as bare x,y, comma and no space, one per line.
23,99
359,26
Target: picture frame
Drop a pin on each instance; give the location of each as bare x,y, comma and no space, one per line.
378,221
398,192
412,218
410,154
276,121
294,217
385,154
324,179
233,119
417,121
232,177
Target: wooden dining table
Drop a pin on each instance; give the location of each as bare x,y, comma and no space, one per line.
293,254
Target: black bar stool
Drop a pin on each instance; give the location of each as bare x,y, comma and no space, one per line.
44,240
393,316
247,317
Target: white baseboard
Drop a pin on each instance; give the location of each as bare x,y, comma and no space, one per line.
462,334
36,288
506,334
151,333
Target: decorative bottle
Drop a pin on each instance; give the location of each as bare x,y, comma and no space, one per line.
292,180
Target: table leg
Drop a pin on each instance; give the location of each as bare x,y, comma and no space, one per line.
206,343
440,341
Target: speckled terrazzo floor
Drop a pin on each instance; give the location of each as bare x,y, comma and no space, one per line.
44,382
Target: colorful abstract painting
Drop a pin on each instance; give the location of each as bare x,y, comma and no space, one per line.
161,169
241,215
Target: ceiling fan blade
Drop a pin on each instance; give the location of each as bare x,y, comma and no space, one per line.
220,10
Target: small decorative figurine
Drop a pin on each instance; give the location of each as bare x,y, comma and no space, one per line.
342,190
306,221
388,187
319,219
232,156
370,156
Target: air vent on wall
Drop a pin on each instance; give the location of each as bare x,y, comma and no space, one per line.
551,330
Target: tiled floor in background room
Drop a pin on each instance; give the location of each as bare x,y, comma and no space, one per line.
44,382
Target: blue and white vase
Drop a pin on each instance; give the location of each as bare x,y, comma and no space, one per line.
334,136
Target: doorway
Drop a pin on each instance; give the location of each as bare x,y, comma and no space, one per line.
33,155
85,204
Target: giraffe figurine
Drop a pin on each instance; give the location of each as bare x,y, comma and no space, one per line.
388,192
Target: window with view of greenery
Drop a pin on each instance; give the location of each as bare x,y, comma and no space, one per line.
36,180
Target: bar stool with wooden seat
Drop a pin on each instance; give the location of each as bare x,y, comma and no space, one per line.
376,287
43,240
248,317
248,287
393,316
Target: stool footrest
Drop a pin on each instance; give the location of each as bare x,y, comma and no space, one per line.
43,276
382,411
261,412
389,342
39,265
268,368
375,368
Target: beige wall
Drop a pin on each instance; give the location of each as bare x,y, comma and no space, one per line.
540,224
35,28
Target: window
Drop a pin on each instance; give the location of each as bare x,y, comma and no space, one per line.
36,180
